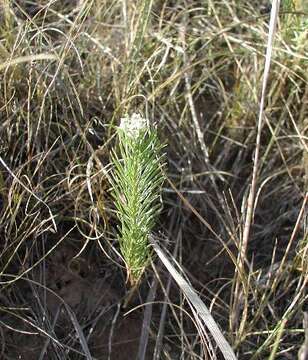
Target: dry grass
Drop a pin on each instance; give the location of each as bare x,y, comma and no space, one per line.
69,70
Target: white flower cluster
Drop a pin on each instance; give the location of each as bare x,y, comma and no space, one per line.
133,125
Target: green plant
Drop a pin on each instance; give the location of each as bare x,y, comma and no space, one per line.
136,181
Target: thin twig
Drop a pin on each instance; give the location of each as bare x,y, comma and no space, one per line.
251,198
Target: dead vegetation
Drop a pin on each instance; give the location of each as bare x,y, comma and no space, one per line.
69,70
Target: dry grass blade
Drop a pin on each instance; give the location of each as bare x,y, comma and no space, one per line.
234,120
197,304
31,192
250,202
79,332
303,351
253,188
27,58
147,322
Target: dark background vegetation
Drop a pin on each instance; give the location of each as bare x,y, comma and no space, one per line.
69,70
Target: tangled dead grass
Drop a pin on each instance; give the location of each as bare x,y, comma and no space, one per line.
69,70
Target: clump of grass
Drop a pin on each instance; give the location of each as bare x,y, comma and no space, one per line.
67,70
137,179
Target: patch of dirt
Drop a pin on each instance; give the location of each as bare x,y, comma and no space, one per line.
124,340
75,294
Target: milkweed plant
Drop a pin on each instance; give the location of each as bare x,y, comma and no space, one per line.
136,179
